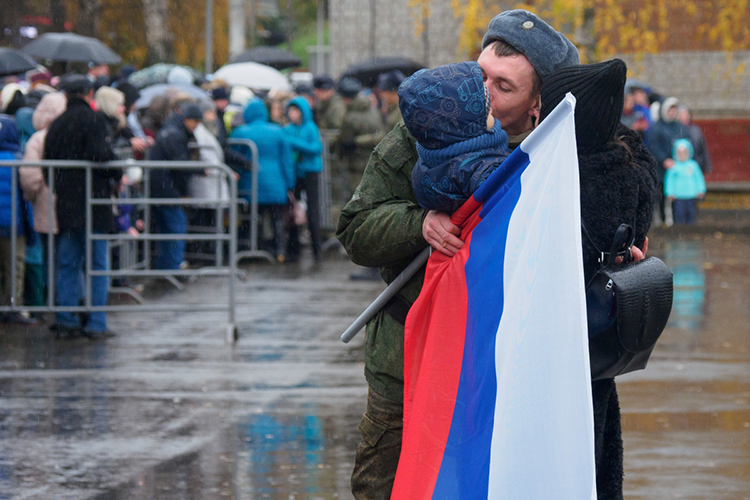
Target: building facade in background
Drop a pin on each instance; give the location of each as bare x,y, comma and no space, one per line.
695,50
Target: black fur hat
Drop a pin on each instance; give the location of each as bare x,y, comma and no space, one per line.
599,90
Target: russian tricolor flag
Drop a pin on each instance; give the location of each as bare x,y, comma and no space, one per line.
497,398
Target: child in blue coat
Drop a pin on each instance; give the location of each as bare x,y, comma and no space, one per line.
304,138
447,110
684,184
9,150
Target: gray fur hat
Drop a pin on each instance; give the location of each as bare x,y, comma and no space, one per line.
546,49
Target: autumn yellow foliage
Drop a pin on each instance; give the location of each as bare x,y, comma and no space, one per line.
123,28
624,26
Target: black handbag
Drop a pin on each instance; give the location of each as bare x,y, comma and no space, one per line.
628,306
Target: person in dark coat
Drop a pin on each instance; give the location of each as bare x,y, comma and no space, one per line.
618,185
660,138
80,133
172,144
685,116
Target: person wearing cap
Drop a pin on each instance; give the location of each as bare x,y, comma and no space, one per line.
329,108
388,84
361,119
618,186
384,226
172,144
80,133
220,96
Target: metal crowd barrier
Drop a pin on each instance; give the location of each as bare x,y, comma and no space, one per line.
252,252
142,269
328,179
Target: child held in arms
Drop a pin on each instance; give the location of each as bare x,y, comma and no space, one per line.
447,110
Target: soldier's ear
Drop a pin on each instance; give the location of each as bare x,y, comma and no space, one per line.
535,110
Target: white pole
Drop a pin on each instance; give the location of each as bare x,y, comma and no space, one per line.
209,36
236,27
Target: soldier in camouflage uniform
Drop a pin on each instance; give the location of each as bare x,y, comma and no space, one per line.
388,84
360,119
329,108
383,226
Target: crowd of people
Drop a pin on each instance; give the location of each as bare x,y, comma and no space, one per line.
100,118
667,128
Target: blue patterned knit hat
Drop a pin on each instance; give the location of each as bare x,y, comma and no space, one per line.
445,105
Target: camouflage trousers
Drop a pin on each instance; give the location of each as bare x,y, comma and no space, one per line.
378,452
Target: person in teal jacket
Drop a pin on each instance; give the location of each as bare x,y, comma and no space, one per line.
304,137
276,177
684,184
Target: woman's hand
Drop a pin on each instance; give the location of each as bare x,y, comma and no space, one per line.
639,254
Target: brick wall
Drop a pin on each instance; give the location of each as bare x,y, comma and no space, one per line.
714,84
356,35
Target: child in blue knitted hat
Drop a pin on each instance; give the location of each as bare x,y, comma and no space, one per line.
447,110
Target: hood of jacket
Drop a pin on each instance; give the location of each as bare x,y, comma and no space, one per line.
50,107
669,102
24,121
682,143
9,138
302,104
255,110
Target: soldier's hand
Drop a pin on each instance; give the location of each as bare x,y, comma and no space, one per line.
441,233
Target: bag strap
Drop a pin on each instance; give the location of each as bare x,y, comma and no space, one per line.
622,244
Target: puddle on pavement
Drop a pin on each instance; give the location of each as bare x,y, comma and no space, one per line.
686,419
282,454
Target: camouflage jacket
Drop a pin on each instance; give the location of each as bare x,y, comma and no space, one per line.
392,117
330,113
381,226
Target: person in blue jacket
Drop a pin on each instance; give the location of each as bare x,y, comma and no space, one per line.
9,150
276,177
684,184
304,137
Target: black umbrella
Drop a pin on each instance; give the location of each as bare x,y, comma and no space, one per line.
13,62
270,56
70,47
367,71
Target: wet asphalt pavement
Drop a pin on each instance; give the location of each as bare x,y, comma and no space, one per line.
167,410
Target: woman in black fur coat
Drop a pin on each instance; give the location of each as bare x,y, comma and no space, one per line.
618,186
